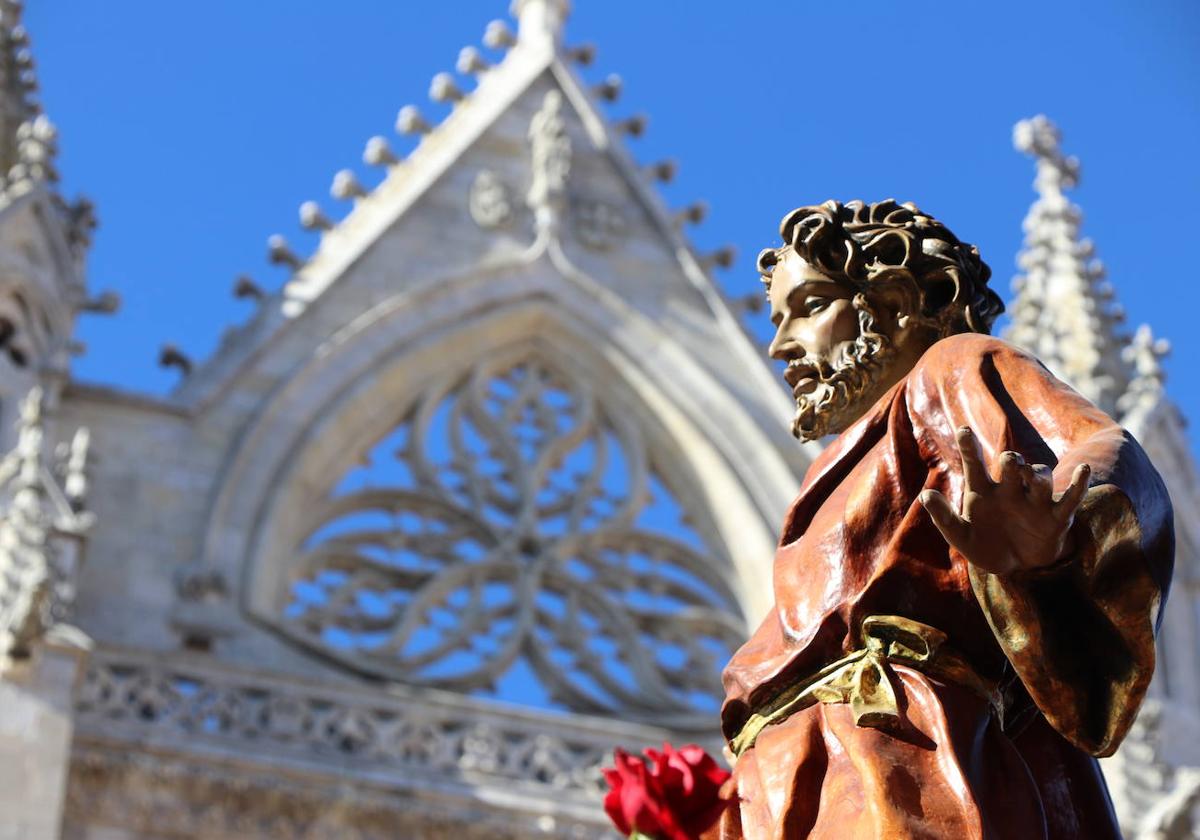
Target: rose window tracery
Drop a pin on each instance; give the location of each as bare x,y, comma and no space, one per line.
512,537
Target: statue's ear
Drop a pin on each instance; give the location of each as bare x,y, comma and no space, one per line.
897,301
937,292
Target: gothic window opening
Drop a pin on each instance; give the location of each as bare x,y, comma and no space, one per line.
513,538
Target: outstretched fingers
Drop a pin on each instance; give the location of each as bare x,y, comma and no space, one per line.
1041,483
953,527
1012,470
974,468
1071,498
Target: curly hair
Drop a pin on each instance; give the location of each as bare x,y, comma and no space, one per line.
868,245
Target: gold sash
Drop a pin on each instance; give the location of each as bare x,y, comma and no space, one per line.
864,680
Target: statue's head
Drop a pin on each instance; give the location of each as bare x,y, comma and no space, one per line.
857,293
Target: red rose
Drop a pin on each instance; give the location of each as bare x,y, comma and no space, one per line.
676,796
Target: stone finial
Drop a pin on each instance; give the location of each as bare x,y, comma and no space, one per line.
29,143
75,483
410,121
1144,354
19,36
245,287
583,54
540,22
443,88
311,217
1063,311
610,89
37,145
106,303
29,419
378,153
346,186
1039,138
171,356
693,214
498,36
634,126
663,171
280,253
723,257
471,62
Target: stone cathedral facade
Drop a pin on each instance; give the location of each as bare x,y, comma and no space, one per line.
489,487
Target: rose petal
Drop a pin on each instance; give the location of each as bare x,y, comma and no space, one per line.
612,807
673,795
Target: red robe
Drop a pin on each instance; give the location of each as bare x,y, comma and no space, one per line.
1072,649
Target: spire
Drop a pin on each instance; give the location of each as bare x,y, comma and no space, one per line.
1064,311
540,22
28,140
1144,354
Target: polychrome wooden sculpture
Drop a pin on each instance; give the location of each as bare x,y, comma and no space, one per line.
967,586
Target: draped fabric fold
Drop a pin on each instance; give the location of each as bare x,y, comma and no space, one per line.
1071,649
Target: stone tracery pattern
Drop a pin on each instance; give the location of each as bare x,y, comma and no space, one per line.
509,534
373,757
433,740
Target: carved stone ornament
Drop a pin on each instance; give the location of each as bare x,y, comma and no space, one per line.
373,756
37,146
1064,311
550,149
1144,354
490,201
41,527
511,536
598,224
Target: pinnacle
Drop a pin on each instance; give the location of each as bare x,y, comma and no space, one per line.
482,74
28,141
540,22
1064,311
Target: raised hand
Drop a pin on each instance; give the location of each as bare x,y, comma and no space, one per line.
1012,524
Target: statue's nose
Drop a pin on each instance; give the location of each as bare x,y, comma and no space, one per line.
784,347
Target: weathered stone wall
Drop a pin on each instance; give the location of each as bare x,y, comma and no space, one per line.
36,727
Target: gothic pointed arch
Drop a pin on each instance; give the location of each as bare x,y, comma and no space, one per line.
496,510
513,533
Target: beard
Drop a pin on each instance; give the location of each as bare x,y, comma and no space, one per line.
847,386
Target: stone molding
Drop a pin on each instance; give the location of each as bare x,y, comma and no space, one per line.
151,795
213,751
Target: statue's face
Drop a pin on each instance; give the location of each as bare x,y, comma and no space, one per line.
836,362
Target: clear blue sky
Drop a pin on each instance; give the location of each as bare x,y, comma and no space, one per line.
198,129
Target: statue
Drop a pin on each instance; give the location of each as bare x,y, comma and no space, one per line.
967,586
